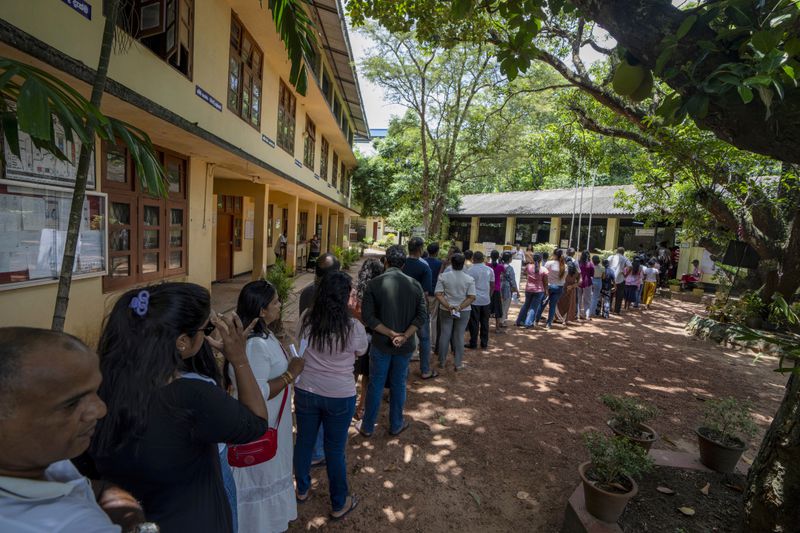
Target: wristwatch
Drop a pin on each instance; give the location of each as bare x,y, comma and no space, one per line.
146,527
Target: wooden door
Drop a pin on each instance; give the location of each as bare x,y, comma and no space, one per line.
374,231
224,246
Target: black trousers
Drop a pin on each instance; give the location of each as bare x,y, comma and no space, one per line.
479,323
619,296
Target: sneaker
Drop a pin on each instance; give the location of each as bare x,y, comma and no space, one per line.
547,327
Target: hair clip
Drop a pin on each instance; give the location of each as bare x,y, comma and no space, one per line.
139,303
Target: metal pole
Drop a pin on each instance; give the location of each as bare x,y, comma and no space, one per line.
591,210
572,221
580,212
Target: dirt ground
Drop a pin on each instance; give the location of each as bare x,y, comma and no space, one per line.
496,448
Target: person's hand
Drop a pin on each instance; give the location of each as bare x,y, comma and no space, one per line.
296,365
232,337
398,340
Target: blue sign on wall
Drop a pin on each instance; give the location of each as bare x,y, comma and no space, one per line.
267,140
213,102
81,6
298,163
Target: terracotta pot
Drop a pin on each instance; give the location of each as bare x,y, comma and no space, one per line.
606,506
717,456
644,444
675,288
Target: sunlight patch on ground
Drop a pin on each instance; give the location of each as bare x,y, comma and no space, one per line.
522,399
431,389
408,453
388,484
670,390
551,365
544,383
392,515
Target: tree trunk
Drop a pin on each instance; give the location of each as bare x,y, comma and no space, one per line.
87,150
772,498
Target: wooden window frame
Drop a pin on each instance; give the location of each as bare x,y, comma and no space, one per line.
287,118
132,193
234,205
310,144
175,23
325,148
270,226
335,170
249,71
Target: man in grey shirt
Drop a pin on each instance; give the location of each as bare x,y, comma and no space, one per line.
479,316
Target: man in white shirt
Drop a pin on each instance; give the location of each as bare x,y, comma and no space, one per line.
48,411
617,263
479,316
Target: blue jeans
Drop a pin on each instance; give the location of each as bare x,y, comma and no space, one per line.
230,486
395,367
597,284
534,307
319,446
335,415
424,336
526,306
555,295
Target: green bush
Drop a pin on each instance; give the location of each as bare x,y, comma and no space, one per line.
613,458
627,413
540,247
368,241
728,420
346,256
282,279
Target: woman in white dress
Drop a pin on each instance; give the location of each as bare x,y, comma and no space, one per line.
265,492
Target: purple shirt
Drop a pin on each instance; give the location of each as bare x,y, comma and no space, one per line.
587,273
499,269
328,372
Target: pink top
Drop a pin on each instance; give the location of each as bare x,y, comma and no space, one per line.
587,273
633,279
535,282
499,269
330,373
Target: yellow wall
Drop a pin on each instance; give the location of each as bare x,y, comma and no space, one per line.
612,234
145,73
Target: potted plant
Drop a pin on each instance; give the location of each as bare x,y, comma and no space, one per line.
725,422
628,417
607,478
753,309
674,285
283,279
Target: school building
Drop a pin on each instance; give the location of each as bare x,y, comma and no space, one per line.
251,163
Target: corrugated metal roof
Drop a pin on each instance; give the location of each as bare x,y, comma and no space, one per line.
548,202
336,44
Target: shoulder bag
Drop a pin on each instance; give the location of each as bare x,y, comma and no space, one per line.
261,450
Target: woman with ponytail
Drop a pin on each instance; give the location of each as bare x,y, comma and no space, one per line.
166,409
535,286
496,306
556,277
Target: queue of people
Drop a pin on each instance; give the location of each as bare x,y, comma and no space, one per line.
164,416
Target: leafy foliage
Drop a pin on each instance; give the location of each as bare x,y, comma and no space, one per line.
346,256
615,457
628,414
728,419
788,344
298,35
282,279
39,98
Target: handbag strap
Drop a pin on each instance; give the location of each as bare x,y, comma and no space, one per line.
283,403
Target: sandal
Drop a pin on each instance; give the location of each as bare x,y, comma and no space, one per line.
406,425
361,431
353,505
432,375
302,498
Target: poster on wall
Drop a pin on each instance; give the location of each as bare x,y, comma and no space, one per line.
41,166
33,231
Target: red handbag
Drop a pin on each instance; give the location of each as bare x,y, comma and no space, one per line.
261,450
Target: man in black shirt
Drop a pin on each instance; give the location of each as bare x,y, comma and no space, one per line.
418,269
394,308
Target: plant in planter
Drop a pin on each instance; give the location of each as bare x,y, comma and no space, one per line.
725,422
628,417
753,309
282,278
674,285
607,478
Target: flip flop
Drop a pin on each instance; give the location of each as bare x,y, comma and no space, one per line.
318,463
406,425
353,505
362,432
432,375
303,499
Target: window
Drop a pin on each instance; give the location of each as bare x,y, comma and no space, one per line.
146,234
286,109
459,231
310,144
335,169
302,226
244,74
532,230
350,137
492,230
166,27
323,162
326,85
233,205
337,109
342,176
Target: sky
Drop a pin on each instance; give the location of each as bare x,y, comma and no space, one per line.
380,110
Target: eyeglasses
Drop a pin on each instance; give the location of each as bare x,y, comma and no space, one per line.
208,329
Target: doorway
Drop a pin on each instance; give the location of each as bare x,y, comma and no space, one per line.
374,231
224,246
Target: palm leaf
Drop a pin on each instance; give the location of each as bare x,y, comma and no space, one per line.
297,33
42,99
